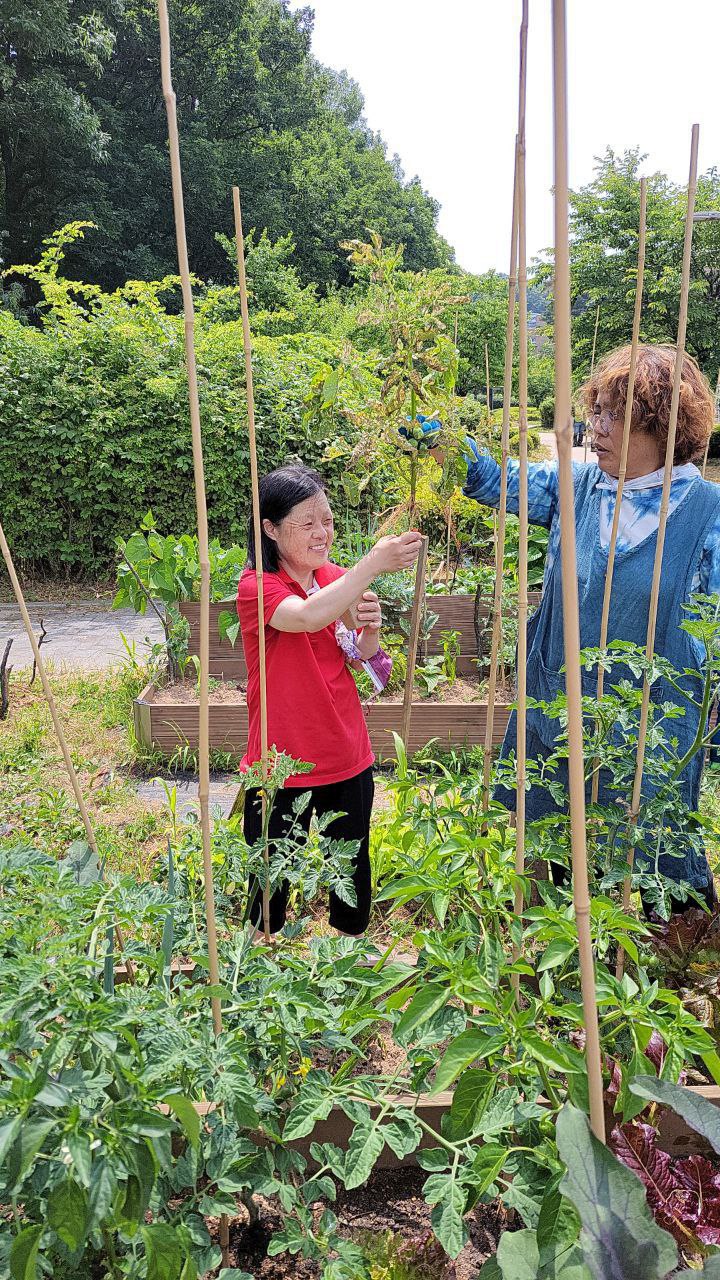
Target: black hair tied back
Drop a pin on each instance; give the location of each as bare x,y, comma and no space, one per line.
280,491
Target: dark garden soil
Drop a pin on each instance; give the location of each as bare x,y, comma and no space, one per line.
391,1201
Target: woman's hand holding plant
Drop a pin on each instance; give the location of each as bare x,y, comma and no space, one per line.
396,551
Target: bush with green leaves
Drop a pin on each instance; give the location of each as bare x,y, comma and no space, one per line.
94,421
547,413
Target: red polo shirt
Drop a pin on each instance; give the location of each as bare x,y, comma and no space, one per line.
314,711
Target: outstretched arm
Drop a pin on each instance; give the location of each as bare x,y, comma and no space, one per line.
483,484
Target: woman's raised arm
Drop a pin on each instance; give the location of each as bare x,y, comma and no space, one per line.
329,603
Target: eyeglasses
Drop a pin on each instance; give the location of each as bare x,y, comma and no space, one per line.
603,421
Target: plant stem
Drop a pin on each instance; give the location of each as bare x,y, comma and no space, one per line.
702,721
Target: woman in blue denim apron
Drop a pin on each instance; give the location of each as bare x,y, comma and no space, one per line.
691,559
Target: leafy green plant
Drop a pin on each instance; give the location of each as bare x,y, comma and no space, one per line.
450,641
430,674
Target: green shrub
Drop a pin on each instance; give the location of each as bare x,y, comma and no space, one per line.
547,413
94,424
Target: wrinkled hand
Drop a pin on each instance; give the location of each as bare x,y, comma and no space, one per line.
397,552
368,612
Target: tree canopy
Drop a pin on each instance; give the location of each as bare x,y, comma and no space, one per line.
83,135
604,237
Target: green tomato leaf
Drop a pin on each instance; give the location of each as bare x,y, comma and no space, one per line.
24,1253
312,1104
423,1005
185,1112
366,1143
67,1210
447,1215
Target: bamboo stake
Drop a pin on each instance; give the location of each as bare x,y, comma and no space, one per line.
594,345
571,626
522,611
487,416
255,485
59,732
715,415
502,510
592,370
664,504
200,502
415,617
623,459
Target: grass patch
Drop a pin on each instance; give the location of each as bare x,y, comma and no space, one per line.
36,798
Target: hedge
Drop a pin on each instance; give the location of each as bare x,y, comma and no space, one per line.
94,428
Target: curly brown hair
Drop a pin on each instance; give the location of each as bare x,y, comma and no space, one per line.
652,395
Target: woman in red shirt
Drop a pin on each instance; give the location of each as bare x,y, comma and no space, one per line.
314,712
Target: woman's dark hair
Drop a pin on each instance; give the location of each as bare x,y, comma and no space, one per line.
280,491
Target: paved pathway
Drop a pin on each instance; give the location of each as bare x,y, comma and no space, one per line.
83,635
547,440
224,788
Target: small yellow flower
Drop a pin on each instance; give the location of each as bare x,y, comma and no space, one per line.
303,1068
281,1080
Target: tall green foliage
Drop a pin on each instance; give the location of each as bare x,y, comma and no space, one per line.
604,225
94,425
83,134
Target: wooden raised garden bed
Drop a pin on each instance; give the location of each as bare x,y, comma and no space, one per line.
675,1134
167,725
455,613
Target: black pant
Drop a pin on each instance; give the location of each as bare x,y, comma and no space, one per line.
353,799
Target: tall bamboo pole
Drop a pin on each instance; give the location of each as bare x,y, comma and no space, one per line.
255,486
592,370
594,345
59,733
715,415
487,416
502,510
623,458
571,625
415,619
664,505
200,502
522,609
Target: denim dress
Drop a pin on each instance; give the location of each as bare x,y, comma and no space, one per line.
686,532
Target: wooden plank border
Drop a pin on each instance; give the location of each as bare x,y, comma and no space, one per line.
453,724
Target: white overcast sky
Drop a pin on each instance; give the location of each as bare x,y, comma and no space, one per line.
439,79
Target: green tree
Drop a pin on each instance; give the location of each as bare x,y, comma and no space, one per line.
604,228
481,319
254,107
53,54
